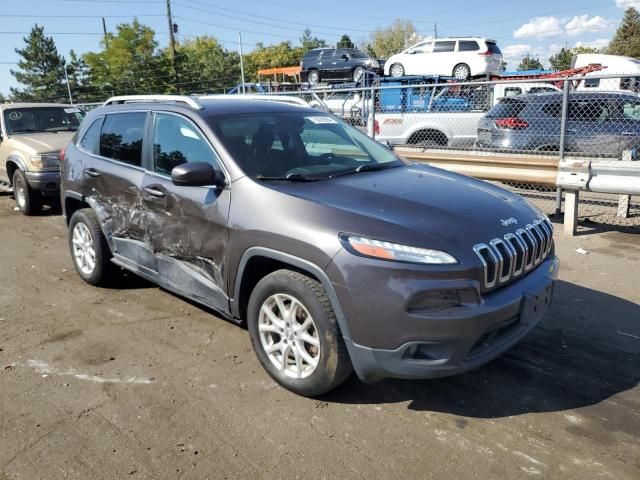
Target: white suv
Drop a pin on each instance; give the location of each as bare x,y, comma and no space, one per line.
459,57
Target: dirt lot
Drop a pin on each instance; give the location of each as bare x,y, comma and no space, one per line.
137,383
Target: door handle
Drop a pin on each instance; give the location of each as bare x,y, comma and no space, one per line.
630,134
91,172
571,130
155,191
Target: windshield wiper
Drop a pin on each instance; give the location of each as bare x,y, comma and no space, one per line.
369,167
292,177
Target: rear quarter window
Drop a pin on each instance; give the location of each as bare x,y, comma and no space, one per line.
506,109
90,141
468,46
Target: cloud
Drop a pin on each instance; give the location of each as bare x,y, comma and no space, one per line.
628,3
539,27
515,52
581,24
598,43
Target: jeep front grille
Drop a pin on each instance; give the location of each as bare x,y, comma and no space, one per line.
504,259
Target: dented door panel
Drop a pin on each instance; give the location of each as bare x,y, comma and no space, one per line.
188,232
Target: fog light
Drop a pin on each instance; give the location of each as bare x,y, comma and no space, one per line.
436,300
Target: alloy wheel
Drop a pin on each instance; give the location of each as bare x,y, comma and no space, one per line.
20,192
289,336
84,252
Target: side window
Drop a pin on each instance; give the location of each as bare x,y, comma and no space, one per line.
589,111
553,109
542,90
468,46
91,139
121,137
441,47
424,47
177,141
591,83
512,91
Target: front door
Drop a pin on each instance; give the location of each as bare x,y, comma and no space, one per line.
187,225
591,128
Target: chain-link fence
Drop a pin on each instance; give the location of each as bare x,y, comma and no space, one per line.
593,117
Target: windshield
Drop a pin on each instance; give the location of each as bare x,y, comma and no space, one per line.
42,119
298,146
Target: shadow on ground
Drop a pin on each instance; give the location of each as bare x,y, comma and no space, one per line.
584,352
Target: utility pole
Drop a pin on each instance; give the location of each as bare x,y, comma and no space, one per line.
435,30
241,61
172,41
104,30
66,76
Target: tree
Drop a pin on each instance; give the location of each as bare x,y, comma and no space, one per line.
391,40
530,63
309,43
562,59
283,54
205,66
345,42
627,38
129,63
41,69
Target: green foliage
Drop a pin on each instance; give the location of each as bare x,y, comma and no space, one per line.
530,63
129,63
345,42
562,59
283,54
203,65
392,39
41,69
627,38
307,42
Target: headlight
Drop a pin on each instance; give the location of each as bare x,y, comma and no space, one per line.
373,63
45,160
399,253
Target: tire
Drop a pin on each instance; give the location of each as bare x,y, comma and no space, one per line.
85,237
28,200
358,72
396,70
462,71
313,77
311,361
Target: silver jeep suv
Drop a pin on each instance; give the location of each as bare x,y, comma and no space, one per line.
31,137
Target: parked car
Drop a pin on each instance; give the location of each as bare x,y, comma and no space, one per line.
463,58
337,254
31,136
328,64
597,123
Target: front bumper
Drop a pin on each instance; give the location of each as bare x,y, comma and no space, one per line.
454,341
45,182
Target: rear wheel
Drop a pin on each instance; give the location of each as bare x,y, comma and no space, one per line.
28,200
295,335
396,70
89,250
313,77
462,71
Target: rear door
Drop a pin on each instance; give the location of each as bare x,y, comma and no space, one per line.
187,225
112,181
626,124
591,127
443,57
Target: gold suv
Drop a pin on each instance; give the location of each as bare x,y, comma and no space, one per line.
31,137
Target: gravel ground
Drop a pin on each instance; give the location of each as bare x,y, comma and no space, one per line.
137,383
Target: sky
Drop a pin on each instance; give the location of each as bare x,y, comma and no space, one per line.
538,28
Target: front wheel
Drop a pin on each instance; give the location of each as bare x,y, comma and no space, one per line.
396,70
28,200
295,335
358,72
89,249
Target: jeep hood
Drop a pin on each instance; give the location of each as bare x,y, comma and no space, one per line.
445,206
41,142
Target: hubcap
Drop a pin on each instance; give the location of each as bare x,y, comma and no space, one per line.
461,73
289,336
357,74
313,77
396,71
20,193
84,251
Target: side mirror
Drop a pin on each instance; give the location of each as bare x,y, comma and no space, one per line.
411,51
196,174
388,145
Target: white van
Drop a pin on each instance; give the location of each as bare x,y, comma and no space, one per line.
628,68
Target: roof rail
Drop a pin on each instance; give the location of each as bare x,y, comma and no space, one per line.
189,101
